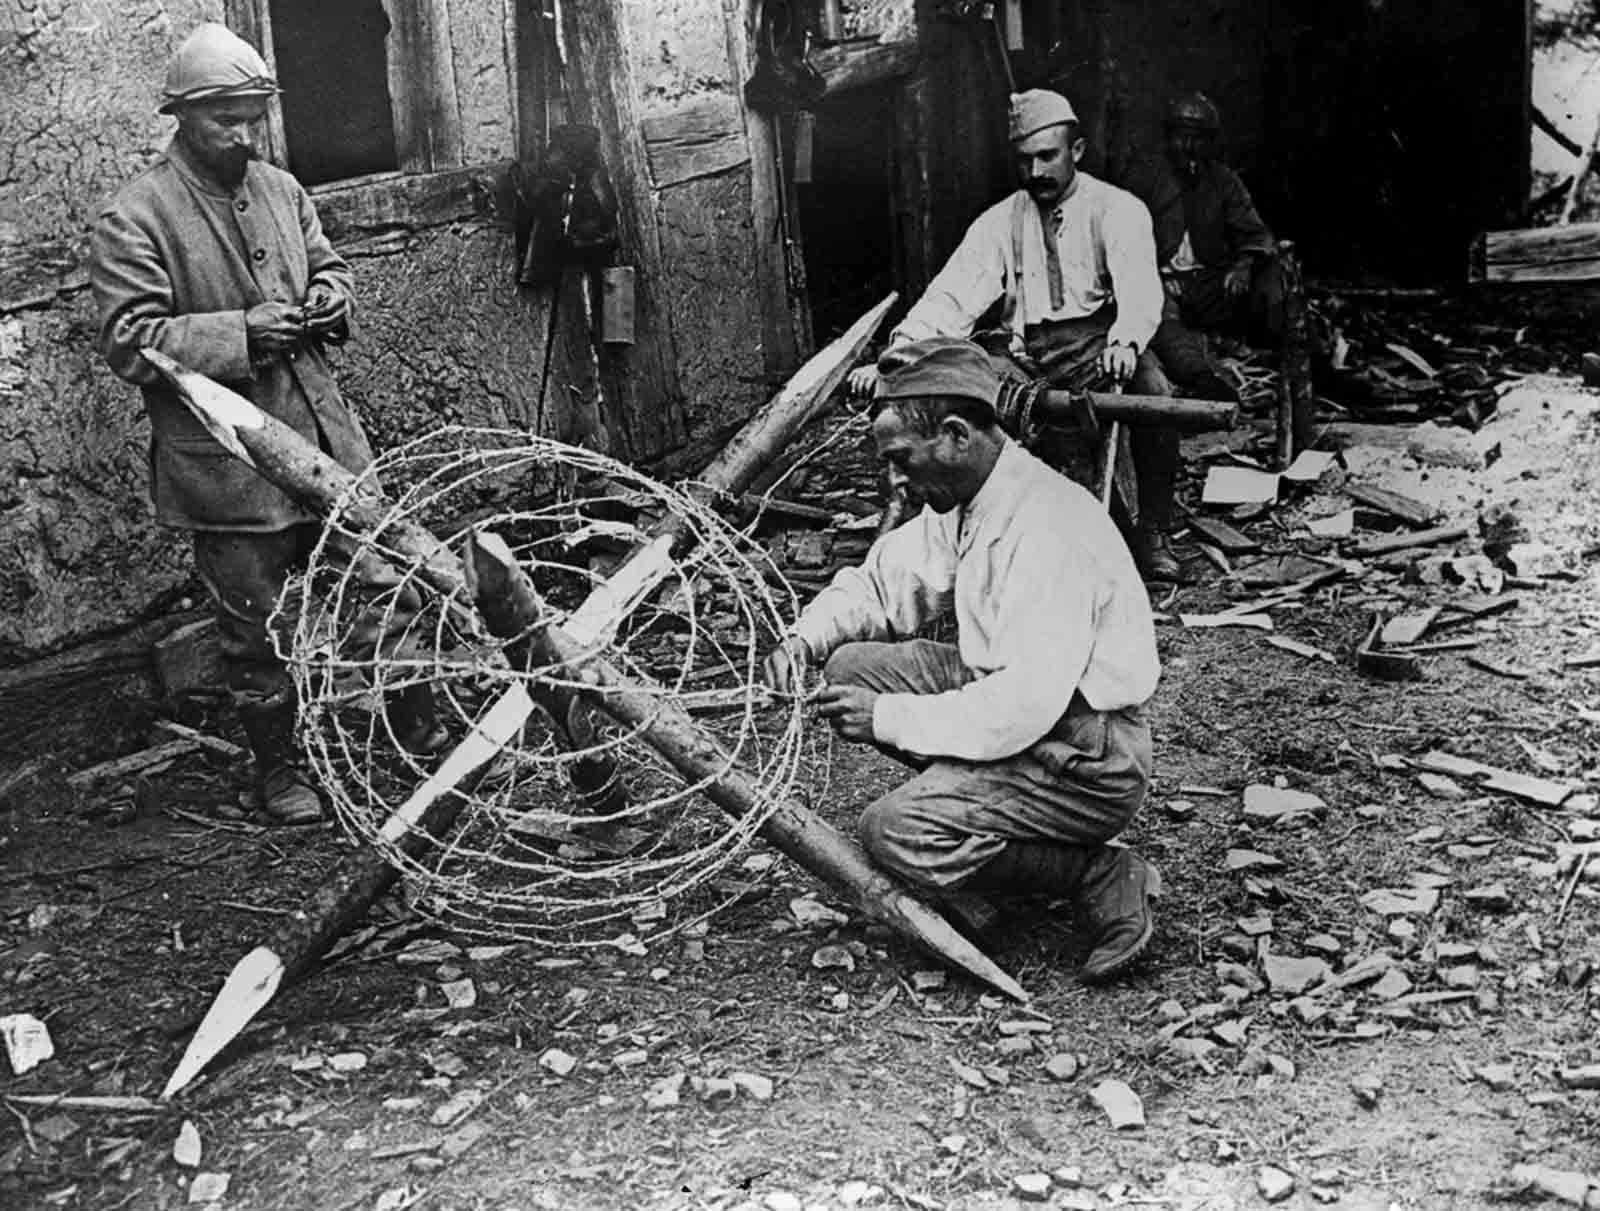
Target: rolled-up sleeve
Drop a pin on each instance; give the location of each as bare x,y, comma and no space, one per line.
1135,281
904,581
968,285
134,297
1044,625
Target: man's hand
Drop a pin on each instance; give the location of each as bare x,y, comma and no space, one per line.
863,381
1119,362
273,327
849,709
1237,283
784,670
324,308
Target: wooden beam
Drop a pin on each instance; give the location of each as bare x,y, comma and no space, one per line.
912,188
422,86
1538,255
785,327
857,65
1297,406
352,210
701,139
639,381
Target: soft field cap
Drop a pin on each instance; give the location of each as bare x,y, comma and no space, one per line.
940,365
1036,110
214,62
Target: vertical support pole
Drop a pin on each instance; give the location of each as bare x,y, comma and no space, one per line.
1297,417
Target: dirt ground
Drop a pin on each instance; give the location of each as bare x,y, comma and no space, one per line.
740,1070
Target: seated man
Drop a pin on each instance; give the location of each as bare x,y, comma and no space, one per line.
1029,729
1070,262
1217,256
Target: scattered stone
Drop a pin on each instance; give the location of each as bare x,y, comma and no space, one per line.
1068,1177
953,1145
1061,1066
1025,1026
854,1193
186,1149
1498,1077
1250,859
1368,1089
1180,809
1172,1011
969,1074
1274,1184
1441,787
1033,1187
1402,929
1393,985
1256,926
1120,1104
347,1061
457,1108
1196,1051
927,981
714,1091
558,1061
808,911
1238,973
1324,1194
782,1200
665,1093
1401,901
27,1042
1493,897
209,1187
1273,805
1016,1044
757,1086
1464,976
1291,975
833,958
1231,1033
1323,943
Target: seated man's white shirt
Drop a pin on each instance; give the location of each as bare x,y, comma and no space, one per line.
1107,251
1047,602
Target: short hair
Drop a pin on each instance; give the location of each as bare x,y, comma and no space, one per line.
923,414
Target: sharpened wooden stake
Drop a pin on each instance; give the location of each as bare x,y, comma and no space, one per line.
792,827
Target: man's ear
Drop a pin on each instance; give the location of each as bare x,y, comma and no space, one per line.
1079,146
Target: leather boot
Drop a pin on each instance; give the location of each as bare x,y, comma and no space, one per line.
1156,558
1031,868
283,790
1113,901
414,718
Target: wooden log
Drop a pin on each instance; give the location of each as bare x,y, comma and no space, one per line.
1190,415
1412,512
865,65
1535,255
127,652
1543,791
1404,542
349,891
792,828
1221,535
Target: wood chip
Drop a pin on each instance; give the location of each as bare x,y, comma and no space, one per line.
1120,1104
1222,536
1301,649
1260,622
1406,629
1370,547
1250,859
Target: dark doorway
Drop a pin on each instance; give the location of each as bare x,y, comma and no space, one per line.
333,68
846,213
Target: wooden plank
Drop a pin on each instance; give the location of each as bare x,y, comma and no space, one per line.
1406,629
697,140
912,189
1221,535
422,86
863,65
1540,254
785,330
161,754
639,382
1412,512
352,210
1403,542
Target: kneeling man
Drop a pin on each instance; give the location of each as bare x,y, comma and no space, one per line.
1029,730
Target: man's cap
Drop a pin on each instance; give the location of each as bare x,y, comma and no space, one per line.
1195,110
937,366
1036,110
214,63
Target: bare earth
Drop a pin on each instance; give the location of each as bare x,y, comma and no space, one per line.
882,1086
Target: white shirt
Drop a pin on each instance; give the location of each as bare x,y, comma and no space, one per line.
1107,251
1046,598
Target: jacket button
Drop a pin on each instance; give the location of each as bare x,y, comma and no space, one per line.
241,205
260,254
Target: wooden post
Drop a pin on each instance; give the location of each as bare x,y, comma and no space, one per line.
1297,409
792,827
